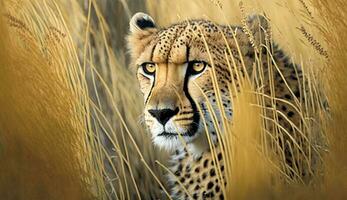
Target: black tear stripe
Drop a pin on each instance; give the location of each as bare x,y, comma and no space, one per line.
150,92
196,116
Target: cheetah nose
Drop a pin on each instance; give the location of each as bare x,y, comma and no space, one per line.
163,115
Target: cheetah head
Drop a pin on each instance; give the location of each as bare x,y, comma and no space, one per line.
175,70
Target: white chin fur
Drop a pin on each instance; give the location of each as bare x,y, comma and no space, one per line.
195,143
173,142
169,143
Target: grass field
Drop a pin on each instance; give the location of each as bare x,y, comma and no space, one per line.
70,107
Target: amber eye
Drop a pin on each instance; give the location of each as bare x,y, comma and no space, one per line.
149,68
197,67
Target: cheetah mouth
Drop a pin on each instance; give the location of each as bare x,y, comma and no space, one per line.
168,134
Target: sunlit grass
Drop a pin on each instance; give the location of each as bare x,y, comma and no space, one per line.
43,127
70,107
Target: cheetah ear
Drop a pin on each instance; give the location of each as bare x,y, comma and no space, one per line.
142,31
140,22
259,26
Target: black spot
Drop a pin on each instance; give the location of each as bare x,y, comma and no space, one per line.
204,194
197,170
297,93
182,180
204,175
222,168
290,114
191,181
197,187
180,159
188,168
205,163
217,188
284,108
263,50
212,172
288,96
209,195
179,168
200,157
293,77
195,196
143,23
209,185
250,54
178,173
219,156
221,197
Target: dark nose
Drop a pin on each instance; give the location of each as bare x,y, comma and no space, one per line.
163,115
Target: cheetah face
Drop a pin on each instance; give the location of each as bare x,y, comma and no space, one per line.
174,71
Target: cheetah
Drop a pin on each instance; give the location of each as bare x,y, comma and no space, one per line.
173,71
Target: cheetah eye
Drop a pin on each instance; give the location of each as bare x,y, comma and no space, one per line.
148,68
196,67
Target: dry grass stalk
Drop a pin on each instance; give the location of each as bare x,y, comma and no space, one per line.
42,119
316,45
101,112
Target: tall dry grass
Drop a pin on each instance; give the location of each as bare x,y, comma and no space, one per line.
332,28
44,152
70,107
81,83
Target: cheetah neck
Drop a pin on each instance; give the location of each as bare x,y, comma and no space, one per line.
195,170
199,145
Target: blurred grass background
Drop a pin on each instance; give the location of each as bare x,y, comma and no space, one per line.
70,106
